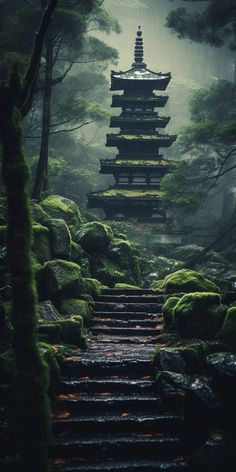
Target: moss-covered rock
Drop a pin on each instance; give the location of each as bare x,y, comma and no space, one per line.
79,256
92,287
76,307
41,243
228,330
199,315
188,281
168,314
53,368
48,312
120,251
157,285
60,238
185,252
63,331
94,237
126,286
59,279
39,215
63,208
110,273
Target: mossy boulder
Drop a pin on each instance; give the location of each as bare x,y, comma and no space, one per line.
60,238
110,273
94,237
39,215
199,315
48,312
76,307
157,285
228,330
126,286
185,252
168,309
92,287
188,281
59,279
63,331
120,251
79,256
53,368
41,243
63,208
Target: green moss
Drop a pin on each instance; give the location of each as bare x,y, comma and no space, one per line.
60,279
60,238
53,367
41,243
63,208
93,287
118,192
110,273
185,280
135,162
126,286
76,253
228,330
76,306
61,331
168,314
145,137
199,315
39,215
157,285
94,237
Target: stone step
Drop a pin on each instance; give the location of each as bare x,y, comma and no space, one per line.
126,315
130,291
123,298
113,385
175,465
134,307
106,403
110,331
99,321
126,446
139,340
114,424
96,367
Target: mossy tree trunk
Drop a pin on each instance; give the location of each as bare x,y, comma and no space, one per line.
31,423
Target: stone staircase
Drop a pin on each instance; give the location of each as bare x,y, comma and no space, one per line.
109,416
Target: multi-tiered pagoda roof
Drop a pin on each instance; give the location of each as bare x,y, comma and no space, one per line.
138,167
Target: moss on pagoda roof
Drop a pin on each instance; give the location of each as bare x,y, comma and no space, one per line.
141,162
141,97
149,137
127,193
136,117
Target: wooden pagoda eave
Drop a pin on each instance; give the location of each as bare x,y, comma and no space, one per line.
156,121
122,100
160,83
111,166
114,140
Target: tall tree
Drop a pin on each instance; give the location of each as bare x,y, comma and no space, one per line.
32,413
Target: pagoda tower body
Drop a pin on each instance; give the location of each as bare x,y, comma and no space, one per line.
138,167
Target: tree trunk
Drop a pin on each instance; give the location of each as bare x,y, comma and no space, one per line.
31,415
41,179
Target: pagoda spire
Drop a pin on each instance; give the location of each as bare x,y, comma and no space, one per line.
138,50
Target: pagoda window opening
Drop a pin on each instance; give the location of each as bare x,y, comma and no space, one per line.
123,179
140,179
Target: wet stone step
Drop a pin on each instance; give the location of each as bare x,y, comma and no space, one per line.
125,446
140,340
109,403
113,367
125,331
125,423
115,385
127,315
143,323
176,465
135,307
131,298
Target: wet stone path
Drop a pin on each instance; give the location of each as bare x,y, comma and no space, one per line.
109,415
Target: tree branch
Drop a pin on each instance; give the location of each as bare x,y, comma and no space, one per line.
32,73
63,130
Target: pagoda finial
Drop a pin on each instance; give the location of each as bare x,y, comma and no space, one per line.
138,49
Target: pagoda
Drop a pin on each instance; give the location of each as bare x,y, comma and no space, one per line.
138,167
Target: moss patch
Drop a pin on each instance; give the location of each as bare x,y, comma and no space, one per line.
168,314
63,208
228,331
92,287
94,237
118,192
60,279
126,286
41,243
76,307
60,238
199,315
185,280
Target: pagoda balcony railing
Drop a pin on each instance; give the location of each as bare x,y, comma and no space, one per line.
121,100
